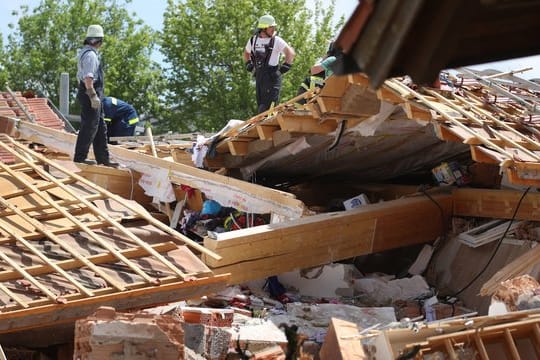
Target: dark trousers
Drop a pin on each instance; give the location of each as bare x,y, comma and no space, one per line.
93,131
119,128
268,87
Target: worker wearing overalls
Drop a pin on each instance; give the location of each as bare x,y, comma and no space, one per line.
120,117
93,130
262,54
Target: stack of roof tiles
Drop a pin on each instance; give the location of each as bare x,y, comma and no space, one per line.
36,107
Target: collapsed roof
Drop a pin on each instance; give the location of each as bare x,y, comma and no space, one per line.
69,246
347,130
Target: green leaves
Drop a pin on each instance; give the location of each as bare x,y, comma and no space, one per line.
203,41
46,41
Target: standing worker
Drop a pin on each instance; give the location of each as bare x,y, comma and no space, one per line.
93,130
120,117
262,54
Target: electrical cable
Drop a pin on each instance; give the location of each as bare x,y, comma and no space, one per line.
441,210
497,247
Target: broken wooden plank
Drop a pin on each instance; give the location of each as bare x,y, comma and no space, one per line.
517,267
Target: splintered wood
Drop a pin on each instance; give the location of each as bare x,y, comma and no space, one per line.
66,242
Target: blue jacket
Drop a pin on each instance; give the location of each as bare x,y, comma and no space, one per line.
117,110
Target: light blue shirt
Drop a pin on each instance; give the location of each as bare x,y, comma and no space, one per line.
87,63
325,64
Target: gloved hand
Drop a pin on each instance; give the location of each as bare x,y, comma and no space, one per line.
249,66
94,99
284,68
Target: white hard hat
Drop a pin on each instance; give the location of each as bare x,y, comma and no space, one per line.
94,31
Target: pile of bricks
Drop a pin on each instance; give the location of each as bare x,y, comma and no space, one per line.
110,335
185,333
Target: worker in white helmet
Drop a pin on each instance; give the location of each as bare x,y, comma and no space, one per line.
93,130
262,56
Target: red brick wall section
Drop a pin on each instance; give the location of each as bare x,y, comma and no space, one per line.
208,316
110,335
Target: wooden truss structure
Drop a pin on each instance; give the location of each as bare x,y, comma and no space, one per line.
495,114
69,246
512,336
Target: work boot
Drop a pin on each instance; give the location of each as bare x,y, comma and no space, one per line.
87,162
110,164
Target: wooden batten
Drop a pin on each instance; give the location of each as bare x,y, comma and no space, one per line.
512,335
91,251
335,86
238,148
54,315
417,112
305,125
266,131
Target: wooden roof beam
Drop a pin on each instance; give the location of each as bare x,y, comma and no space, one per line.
305,124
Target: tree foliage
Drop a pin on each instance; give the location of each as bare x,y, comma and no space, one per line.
203,41
3,71
46,42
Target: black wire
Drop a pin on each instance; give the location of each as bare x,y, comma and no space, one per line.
497,247
442,239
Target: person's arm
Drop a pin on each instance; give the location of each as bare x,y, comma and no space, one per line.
247,57
89,82
289,54
90,62
317,68
323,65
